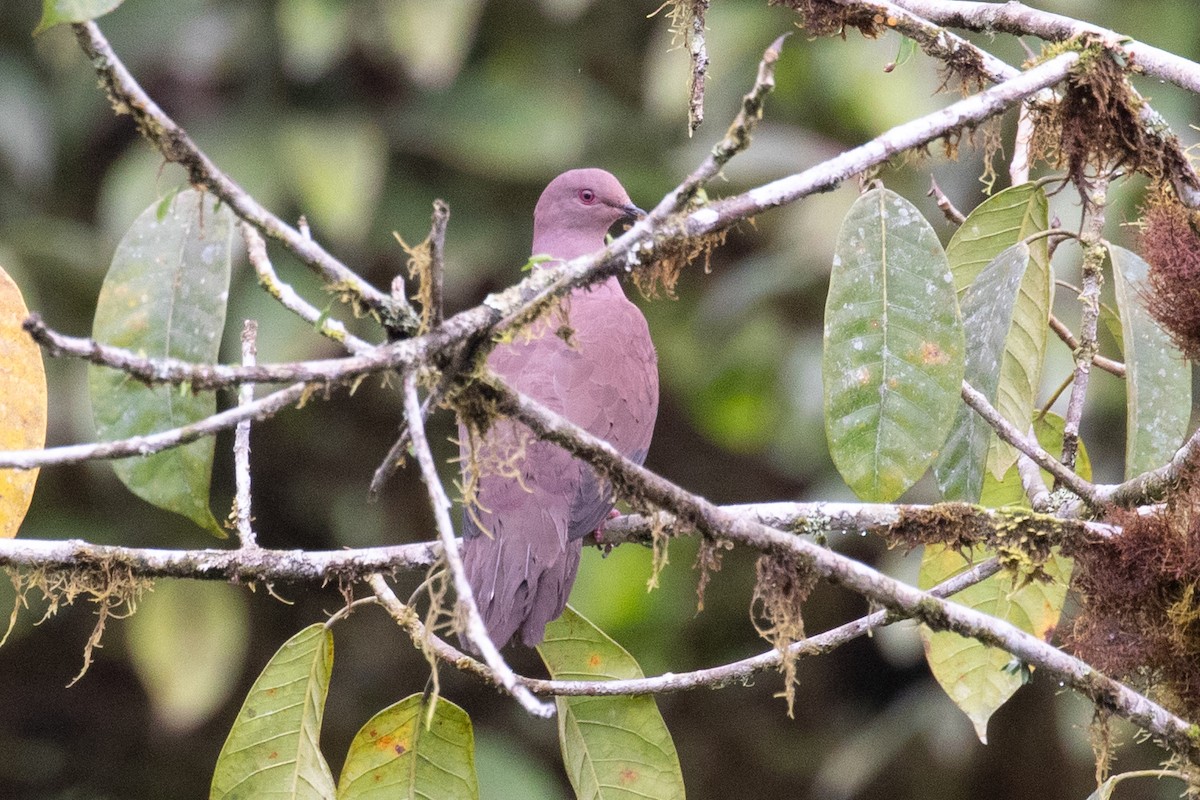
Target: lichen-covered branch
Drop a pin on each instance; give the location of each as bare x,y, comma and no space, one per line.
1094,253
966,113
634,480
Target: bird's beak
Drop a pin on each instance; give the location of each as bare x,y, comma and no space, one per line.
632,211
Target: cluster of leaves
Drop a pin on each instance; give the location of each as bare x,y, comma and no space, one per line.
906,322
423,745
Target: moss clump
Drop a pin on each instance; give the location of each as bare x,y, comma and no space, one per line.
782,584
1138,617
1170,243
827,18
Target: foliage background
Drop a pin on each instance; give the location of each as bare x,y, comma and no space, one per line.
358,115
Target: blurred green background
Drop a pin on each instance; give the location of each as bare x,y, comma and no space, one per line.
359,114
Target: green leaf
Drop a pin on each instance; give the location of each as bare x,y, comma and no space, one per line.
987,310
399,754
57,12
272,750
613,747
976,677
1158,380
165,296
997,224
979,679
893,354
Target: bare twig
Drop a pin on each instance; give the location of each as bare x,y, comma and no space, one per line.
1032,483
263,408
1009,433
698,52
1018,168
476,631
1103,362
713,677
437,261
951,213
241,444
256,251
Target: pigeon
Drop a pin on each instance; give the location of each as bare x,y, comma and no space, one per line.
594,364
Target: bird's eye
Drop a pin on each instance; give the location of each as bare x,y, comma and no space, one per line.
587,196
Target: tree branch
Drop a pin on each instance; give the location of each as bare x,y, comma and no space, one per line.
634,480
1094,253
256,251
475,629
1009,433
241,444
176,145
965,113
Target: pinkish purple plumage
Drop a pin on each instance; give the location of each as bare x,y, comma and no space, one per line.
522,561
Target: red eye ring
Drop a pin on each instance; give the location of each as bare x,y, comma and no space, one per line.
587,196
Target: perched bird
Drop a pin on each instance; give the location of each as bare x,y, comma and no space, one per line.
533,502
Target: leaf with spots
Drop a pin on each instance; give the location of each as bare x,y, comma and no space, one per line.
404,753
980,679
22,404
1158,379
987,310
613,747
893,351
995,225
164,297
273,748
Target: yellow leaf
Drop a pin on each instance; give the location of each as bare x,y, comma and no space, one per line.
22,404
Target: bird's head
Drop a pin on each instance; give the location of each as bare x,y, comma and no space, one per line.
576,210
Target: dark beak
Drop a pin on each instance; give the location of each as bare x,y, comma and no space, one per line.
632,211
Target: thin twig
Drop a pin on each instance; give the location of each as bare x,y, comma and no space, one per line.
1032,483
1018,167
437,261
241,443
256,251
698,52
476,631
1094,253
127,96
1109,365
1009,433
263,408
951,213
738,671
